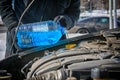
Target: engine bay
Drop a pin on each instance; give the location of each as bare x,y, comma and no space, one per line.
87,57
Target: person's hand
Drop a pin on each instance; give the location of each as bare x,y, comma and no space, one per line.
61,20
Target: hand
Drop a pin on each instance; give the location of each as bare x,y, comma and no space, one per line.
61,20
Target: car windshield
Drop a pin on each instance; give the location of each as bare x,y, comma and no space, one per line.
103,20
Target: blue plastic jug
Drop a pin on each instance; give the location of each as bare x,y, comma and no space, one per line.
39,34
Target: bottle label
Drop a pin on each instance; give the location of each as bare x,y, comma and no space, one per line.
42,28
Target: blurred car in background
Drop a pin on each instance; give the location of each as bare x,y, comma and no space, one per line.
92,24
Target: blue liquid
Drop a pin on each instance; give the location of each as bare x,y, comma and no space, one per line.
39,34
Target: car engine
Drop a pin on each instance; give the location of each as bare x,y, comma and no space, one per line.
94,57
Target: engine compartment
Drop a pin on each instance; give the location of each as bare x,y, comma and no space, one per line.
92,56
